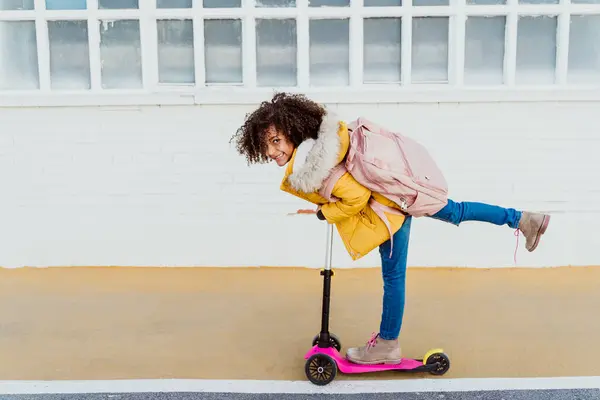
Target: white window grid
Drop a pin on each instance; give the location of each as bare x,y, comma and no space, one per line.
247,92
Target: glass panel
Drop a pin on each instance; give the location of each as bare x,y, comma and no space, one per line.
485,2
329,52
69,55
275,3
118,4
18,56
382,3
584,49
16,5
66,4
175,51
276,47
585,1
382,50
538,1
173,3
430,49
120,54
222,3
484,50
223,51
329,3
536,50
430,2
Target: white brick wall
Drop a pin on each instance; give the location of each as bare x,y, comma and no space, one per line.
152,186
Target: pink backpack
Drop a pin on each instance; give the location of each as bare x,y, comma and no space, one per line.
393,165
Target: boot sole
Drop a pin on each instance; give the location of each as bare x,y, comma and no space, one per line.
540,232
375,362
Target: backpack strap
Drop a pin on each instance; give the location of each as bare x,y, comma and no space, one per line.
380,210
328,184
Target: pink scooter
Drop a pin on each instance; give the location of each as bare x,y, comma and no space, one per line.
324,360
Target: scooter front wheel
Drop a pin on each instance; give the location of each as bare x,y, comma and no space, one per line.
334,341
320,369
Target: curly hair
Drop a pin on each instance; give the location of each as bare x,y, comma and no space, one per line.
296,116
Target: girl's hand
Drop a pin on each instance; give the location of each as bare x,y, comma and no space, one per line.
317,212
306,211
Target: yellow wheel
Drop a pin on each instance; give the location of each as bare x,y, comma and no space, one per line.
439,359
430,353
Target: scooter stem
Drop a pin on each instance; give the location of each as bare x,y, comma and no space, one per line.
329,248
327,274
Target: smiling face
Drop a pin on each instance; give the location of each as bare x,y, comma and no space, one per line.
279,148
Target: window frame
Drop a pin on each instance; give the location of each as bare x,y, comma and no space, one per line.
155,93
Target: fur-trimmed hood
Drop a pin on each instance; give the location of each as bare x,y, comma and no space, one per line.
315,158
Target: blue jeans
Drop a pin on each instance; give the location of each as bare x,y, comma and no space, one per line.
393,268
457,212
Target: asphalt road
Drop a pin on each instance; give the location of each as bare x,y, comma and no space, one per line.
576,394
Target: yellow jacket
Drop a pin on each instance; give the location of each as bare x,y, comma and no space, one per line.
359,227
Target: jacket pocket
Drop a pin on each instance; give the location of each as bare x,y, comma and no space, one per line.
365,219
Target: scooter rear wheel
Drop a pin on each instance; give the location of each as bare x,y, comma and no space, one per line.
334,341
443,363
320,369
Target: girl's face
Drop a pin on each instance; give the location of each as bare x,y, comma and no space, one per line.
279,148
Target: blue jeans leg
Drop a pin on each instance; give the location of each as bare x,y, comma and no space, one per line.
393,269
457,212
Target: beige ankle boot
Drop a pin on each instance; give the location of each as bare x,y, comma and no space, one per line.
376,351
533,226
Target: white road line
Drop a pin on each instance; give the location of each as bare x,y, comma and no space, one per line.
303,387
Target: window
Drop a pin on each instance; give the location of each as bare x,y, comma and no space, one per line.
170,46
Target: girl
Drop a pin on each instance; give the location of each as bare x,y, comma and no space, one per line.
302,135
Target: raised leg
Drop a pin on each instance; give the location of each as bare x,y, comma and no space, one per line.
533,225
457,212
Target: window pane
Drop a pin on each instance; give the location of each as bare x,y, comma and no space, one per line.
584,49
120,54
276,63
484,50
275,3
16,5
223,51
430,49
175,51
173,3
538,1
382,3
585,1
382,50
329,3
222,3
69,55
19,61
536,50
430,2
329,52
66,4
485,2
118,4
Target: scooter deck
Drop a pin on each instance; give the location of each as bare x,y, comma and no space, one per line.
348,367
